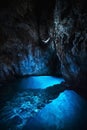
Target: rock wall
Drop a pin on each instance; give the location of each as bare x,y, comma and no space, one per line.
36,37
22,51
70,36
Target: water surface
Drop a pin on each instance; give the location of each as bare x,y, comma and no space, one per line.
36,82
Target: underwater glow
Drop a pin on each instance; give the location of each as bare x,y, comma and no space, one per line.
65,113
24,103
39,82
39,109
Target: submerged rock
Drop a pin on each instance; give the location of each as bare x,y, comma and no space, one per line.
23,105
67,112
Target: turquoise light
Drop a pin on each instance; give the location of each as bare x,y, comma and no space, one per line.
66,112
39,82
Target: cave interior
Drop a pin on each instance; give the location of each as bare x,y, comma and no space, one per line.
43,65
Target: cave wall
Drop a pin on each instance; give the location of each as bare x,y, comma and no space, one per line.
70,36
36,37
22,51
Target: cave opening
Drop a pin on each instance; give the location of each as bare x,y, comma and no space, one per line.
43,66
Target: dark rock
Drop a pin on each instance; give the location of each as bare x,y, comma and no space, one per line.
20,50
16,120
39,39
70,21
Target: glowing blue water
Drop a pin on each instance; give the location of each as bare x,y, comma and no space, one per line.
39,82
67,112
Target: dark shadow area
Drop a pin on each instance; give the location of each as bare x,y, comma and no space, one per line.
81,91
54,91
81,87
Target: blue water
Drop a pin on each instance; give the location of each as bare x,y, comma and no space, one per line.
66,112
33,109
36,82
22,99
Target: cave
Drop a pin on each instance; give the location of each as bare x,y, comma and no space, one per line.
43,65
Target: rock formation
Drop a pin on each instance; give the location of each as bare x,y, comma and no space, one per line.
36,37
22,38
70,36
